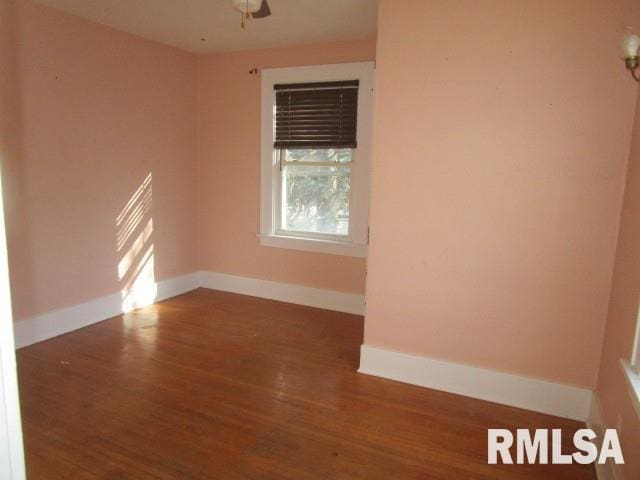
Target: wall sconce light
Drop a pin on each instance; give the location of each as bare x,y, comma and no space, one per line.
630,46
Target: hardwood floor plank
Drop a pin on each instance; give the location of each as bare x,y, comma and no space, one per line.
213,385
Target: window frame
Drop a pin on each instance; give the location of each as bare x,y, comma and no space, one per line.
355,244
631,368
635,352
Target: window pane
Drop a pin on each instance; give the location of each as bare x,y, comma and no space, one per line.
339,155
316,199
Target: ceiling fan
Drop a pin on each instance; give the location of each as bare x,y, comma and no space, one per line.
251,8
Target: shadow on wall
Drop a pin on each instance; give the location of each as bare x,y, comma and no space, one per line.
134,241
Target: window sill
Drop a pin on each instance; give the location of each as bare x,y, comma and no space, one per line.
314,245
633,380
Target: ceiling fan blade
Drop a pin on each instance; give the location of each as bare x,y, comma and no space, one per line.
264,11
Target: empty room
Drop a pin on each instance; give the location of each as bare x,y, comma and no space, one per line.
319,239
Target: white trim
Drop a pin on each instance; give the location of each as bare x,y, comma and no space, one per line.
285,292
11,447
361,169
58,322
348,249
610,470
177,286
635,352
633,382
52,324
532,394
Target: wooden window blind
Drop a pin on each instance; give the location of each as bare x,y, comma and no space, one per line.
316,115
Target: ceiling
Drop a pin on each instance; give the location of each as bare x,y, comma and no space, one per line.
205,26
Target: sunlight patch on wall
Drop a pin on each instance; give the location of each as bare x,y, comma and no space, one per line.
136,247
141,290
135,242
134,212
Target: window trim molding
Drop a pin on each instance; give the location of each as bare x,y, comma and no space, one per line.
333,247
361,176
633,382
635,350
631,369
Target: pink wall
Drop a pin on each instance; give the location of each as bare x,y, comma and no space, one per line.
514,160
612,389
229,153
98,111
500,144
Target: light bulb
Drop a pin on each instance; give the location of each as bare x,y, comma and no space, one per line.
630,45
246,6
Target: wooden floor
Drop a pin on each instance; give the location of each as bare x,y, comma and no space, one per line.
212,385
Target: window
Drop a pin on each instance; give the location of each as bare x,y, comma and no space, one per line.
631,369
635,354
315,191
316,124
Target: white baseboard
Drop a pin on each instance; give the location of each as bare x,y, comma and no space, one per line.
285,292
609,470
52,324
532,394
